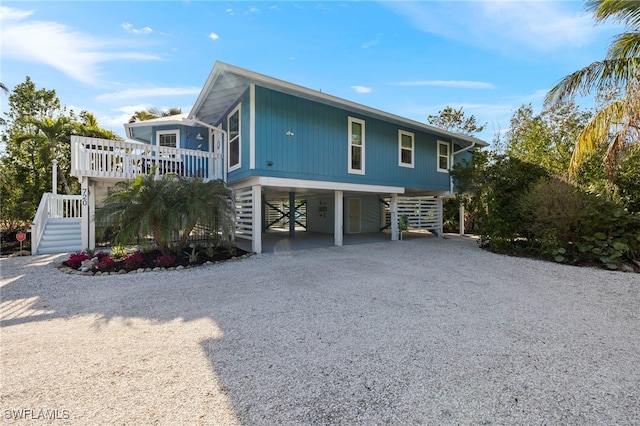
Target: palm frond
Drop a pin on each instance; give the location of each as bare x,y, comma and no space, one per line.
610,72
625,45
596,133
624,11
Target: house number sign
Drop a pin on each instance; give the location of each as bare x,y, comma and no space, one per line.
85,196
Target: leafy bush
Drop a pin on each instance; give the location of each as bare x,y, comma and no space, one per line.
75,259
133,261
105,263
166,260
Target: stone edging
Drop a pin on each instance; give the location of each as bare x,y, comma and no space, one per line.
71,271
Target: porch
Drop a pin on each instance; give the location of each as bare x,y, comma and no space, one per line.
121,160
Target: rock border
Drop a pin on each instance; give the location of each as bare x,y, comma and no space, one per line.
69,270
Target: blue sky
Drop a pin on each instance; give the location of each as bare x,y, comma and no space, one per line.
407,58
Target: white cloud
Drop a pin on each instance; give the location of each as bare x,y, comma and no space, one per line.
11,14
447,83
253,9
504,25
361,89
149,93
40,41
214,36
371,43
229,11
129,27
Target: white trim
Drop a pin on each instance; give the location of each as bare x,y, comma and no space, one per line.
448,145
168,132
413,146
231,168
316,184
351,121
252,126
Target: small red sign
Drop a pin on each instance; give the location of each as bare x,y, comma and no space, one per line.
21,236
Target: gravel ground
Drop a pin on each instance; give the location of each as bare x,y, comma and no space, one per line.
426,331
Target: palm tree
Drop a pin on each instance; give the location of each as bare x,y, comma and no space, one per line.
154,112
4,88
161,207
51,133
620,69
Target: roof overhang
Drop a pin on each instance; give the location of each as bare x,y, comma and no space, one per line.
141,130
226,83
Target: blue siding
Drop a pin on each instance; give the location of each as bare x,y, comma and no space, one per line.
187,136
319,151
244,170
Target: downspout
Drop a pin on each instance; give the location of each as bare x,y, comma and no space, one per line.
224,141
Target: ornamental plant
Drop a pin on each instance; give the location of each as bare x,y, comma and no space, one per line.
75,259
165,261
133,261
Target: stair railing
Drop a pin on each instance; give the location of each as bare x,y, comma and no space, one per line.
53,206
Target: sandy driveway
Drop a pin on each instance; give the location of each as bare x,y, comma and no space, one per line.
426,331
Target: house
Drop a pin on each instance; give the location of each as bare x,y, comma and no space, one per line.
292,155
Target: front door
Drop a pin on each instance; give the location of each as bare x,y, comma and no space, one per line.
353,212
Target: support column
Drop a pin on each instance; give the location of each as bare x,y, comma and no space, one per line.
86,213
292,214
440,217
393,207
461,218
92,216
339,218
256,219
54,177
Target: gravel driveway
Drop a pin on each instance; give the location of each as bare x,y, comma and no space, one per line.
426,331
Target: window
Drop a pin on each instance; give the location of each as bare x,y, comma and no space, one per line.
167,138
405,149
233,129
443,156
356,146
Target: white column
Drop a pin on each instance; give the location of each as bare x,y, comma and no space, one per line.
461,218
339,218
440,217
86,212
393,206
54,177
92,218
256,219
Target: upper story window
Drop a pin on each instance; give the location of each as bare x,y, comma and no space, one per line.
356,146
443,156
233,130
168,138
405,149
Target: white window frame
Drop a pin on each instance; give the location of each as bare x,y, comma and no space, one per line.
168,132
448,156
351,121
230,167
402,133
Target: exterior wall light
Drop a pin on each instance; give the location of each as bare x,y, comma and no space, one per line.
289,134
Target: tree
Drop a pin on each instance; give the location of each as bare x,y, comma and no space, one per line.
162,207
617,124
454,120
546,139
36,131
154,112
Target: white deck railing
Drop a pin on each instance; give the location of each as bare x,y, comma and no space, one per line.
93,157
53,206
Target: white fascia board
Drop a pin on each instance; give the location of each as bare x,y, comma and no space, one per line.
267,181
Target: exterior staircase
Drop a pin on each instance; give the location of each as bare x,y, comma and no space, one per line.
61,235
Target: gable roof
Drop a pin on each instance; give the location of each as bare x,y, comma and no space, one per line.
226,83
